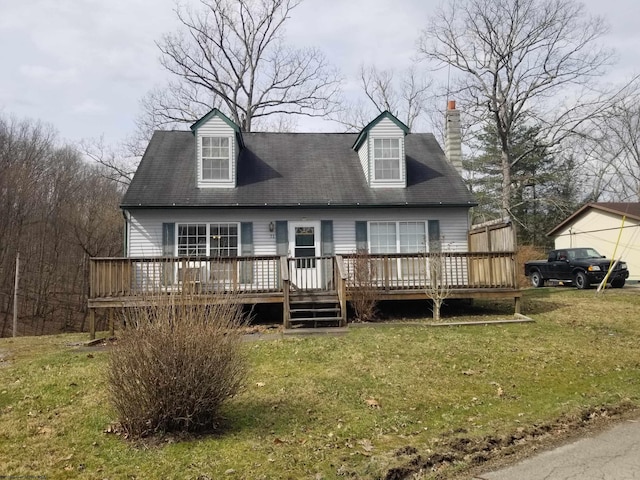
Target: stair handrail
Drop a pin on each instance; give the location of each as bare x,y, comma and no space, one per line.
341,288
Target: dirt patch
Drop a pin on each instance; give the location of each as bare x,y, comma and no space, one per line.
482,454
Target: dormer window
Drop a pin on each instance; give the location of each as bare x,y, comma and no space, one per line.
218,144
380,147
216,158
386,158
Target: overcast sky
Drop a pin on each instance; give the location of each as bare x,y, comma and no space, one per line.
83,65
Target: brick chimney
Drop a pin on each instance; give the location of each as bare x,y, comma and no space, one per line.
453,140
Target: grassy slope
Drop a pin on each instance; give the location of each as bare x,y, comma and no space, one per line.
304,410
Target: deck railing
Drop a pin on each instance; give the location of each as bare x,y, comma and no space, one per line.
124,277
456,270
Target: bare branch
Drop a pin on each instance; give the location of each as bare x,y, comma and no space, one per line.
514,57
230,54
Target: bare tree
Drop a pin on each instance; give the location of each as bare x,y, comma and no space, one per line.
621,147
406,96
437,287
514,57
231,54
57,211
116,164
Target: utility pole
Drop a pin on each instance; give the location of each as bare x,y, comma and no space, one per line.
15,296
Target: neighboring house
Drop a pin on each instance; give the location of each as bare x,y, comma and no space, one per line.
600,225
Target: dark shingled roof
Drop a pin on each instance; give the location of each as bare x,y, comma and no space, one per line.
292,169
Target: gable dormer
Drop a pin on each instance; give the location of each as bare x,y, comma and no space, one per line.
218,143
380,146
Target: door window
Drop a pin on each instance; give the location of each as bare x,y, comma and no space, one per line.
305,247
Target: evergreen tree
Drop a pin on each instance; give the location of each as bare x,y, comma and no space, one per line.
543,186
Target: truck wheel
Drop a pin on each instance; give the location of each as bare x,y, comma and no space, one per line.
581,281
618,283
536,279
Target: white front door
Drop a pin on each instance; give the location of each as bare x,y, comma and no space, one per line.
304,248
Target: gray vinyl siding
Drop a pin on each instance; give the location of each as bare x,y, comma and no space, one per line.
146,225
363,154
216,127
387,129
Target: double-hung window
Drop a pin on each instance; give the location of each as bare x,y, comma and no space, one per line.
192,240
397,237
400,237
386,158
216,240
208,239
216,158
223,240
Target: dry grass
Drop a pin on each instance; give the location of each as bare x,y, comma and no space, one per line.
356,406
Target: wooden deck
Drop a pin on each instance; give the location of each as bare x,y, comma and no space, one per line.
300,284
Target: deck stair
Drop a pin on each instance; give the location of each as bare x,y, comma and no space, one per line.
313,310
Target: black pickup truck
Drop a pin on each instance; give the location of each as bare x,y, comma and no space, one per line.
580,266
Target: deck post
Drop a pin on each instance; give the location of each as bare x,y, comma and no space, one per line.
284,273
92,324
112,330
341,276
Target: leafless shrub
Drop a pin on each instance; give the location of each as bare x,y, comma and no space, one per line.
438,287
175,365
524,254
363,288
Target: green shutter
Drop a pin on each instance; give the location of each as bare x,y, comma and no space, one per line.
434,235
326,236
168,250
282,238
326,250
361,236
168,239
246,250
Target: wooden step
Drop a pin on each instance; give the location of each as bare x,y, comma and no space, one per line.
313,298
315,310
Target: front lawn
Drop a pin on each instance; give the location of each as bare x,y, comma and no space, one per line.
369,404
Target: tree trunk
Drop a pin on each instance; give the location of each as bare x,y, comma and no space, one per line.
506,183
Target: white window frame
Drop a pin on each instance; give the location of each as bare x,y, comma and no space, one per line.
401,269
215,144
385,148
237,236
209,270
398,246
207,243
187,250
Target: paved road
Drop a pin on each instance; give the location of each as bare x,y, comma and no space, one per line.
613,454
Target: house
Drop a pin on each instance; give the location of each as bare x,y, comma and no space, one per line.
613,229
281,215
220,192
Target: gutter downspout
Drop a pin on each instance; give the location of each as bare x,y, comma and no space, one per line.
125,233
